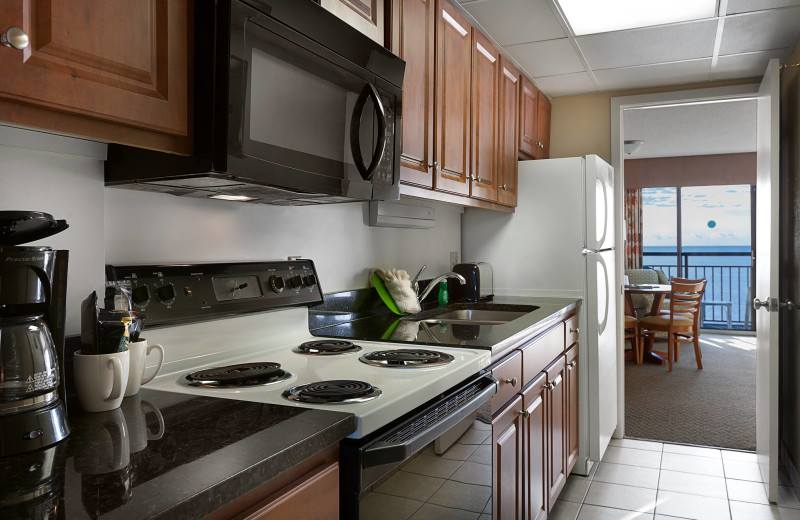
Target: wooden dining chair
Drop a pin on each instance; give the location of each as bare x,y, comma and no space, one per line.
632,333
682,324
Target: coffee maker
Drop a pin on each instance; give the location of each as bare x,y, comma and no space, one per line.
33,288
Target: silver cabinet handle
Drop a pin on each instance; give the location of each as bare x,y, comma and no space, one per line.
571,365
503,187
550,386
576,330
524,413
471,177
15,37
478,178
513,381
435,165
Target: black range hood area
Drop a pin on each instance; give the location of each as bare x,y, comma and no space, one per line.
292,106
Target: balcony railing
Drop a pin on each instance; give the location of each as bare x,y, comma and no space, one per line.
726,301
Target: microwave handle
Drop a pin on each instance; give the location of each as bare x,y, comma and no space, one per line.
367,172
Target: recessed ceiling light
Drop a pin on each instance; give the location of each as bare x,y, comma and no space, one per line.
238,198
592,16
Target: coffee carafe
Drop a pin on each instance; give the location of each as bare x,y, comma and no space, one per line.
33,283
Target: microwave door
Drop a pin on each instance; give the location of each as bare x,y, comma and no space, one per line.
298,110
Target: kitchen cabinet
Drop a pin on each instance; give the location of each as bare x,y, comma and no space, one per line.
453,95
509,88
412,39
534,122
535,450
507,462
309,490
365,15
572,406
548,426
485,118
109,70
556,399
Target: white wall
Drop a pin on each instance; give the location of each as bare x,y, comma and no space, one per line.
129,227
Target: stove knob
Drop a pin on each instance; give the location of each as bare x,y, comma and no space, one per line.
295,281
276,283
141,296
166,294
310,280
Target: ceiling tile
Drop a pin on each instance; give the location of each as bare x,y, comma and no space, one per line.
654,75
665,43
516,21
750,65
566,84
744,6
773,29
547,58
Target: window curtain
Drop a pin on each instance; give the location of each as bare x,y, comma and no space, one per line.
633,232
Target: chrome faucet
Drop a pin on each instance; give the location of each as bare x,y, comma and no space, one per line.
436,281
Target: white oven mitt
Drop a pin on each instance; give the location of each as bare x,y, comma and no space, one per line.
398,283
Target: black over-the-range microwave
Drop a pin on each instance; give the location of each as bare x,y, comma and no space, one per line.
292,106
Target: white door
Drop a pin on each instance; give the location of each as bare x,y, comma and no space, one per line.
767,318
599,203
601,334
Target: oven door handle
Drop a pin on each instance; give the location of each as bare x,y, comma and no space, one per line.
387,452
367,172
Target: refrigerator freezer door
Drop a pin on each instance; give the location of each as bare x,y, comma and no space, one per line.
599,204
601,339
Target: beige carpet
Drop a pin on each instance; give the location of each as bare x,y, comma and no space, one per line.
715,406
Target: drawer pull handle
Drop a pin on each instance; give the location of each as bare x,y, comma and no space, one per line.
576,330
525,413
550,386
512,381
571,365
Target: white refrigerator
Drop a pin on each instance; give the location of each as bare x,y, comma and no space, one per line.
560,242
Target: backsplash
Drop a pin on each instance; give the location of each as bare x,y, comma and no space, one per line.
128,227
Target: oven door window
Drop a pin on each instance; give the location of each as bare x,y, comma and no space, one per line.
312,112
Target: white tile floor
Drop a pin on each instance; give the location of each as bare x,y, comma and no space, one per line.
641,480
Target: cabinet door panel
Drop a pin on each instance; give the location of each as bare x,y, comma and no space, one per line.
412,40
543,126
365,15
453,53
507,463
529,99
110,61
556,415
315,496
536,449
572,407
508,139
485,112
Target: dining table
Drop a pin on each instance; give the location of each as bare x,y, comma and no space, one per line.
659,292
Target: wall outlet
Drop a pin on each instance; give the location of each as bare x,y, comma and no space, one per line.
453,258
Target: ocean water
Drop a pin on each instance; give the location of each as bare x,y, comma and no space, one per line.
729,278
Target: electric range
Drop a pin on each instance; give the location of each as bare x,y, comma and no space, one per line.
253,317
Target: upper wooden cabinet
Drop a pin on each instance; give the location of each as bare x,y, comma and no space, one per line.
507,135
534,121
412,39
485,117
111,70
365,15
453,95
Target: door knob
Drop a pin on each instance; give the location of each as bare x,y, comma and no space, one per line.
769,304
15,37
788,305
758,304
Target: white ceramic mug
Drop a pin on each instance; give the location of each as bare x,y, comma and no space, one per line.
101,379
104,443
134,410
139,351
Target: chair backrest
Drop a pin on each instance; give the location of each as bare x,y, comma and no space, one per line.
685,297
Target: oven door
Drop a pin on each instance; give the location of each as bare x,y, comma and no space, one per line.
442,427
304,117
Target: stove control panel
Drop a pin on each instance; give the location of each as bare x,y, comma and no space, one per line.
169,294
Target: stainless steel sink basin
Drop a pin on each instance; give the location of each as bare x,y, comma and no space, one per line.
475,314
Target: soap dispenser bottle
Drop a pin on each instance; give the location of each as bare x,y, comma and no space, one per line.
444,296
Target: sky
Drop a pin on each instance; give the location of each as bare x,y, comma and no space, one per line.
712,216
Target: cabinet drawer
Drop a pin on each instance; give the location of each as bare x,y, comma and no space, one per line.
571,331
540,352
509,376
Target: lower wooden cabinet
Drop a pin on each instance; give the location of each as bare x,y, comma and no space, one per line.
536,449
556,399
572,406
507,462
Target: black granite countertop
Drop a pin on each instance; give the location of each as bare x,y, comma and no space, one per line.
374,322
164,455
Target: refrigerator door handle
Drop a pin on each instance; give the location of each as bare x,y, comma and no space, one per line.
586,251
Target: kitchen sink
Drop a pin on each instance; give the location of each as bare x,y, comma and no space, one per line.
473,314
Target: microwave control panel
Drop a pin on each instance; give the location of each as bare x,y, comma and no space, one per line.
171,294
